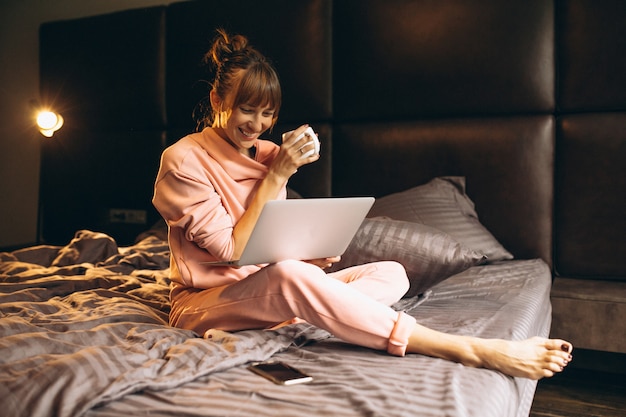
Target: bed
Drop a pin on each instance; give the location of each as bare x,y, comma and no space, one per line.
84,327
460,130
84,331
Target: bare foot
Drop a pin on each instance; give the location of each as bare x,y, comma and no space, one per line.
534,358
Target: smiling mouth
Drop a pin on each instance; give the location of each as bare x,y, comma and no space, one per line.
249,135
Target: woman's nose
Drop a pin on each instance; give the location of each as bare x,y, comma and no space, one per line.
257,123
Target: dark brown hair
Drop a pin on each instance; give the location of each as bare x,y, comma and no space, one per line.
242,76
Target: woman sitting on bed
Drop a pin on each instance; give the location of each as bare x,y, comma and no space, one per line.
211,188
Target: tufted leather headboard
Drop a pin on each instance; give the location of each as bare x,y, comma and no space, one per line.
527,100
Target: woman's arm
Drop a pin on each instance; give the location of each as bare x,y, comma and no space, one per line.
286,163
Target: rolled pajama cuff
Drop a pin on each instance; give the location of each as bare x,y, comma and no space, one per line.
399,338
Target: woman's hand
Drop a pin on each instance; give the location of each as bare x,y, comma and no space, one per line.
290,157
324,263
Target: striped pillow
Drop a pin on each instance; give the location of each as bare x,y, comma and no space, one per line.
443,204
428,255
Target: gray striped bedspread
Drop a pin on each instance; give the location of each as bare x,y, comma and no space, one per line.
83,332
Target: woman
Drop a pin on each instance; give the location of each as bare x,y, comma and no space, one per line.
211,188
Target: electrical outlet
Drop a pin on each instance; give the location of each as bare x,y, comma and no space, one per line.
128,216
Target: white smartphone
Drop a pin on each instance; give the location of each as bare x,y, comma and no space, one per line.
280,373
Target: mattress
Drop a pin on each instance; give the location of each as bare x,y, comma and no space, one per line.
83,332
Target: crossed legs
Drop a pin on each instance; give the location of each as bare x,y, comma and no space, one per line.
357,313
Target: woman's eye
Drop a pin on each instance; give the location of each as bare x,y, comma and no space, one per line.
249,110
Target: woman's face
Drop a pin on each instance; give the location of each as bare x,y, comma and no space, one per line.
245,124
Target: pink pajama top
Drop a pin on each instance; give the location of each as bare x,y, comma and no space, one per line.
203,187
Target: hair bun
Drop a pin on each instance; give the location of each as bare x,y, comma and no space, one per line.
225,47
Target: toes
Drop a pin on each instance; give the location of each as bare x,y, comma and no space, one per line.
565,347
557,363
561,345
547,373
556,367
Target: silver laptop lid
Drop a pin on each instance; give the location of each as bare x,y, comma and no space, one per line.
303,229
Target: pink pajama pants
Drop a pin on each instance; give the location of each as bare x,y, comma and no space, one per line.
352,304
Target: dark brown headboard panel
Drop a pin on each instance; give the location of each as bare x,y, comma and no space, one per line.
405,59
591,195
104,73
425,89
107,78
508,163
591,143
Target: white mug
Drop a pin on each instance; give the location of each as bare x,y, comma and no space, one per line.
309,132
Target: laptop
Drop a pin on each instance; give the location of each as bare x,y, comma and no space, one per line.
302,229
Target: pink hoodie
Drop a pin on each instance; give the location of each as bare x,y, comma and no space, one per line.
203,187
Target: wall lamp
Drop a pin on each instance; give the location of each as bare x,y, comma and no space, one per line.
48,121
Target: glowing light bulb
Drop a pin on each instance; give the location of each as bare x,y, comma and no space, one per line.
49,122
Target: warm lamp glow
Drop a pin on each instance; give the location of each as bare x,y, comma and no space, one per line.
49,122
